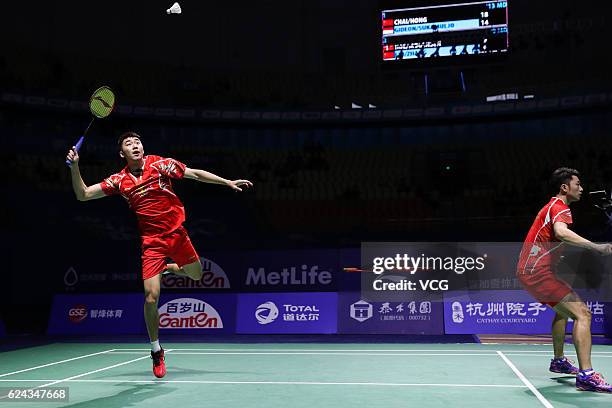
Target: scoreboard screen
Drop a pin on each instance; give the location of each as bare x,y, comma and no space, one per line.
443,29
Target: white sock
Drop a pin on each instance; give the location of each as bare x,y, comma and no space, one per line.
155,346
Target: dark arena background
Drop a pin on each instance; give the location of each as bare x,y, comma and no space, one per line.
369,129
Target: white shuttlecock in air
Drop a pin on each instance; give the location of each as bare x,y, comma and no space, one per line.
175,9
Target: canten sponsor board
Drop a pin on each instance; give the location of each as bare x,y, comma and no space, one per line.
197,313
312,312
356,315
507,312
97,314
213,277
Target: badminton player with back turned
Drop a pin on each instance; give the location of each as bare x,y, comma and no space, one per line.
146,183
540,253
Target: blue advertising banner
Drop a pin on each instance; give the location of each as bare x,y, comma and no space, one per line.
356,315
228,271
197,313
289,271
97,314
506,312
220,274
275,313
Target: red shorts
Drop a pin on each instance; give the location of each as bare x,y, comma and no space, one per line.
545,286
175,245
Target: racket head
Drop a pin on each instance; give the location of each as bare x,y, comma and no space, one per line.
102,102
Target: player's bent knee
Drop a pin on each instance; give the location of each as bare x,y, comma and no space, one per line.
583,314
151,298
194,270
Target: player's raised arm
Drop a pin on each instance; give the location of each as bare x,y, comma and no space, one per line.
82,191
563,233
207,177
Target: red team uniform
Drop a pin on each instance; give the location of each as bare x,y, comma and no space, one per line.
541,252
159,211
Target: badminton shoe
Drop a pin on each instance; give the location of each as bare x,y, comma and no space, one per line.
594,382
563,366
159,365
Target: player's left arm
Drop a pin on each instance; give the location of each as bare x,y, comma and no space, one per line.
208,177
563,233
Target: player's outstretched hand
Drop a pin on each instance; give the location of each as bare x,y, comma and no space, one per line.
236,184
605,249
73,155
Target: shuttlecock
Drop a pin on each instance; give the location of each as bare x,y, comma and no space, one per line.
175,9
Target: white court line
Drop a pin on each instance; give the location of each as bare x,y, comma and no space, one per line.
94,371
56,362
572,351
241,353
525,381
274,383
299,349
479,350
548,354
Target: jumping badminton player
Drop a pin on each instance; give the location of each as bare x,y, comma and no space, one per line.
538,257
146,184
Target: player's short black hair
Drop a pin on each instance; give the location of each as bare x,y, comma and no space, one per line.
125,136
563,175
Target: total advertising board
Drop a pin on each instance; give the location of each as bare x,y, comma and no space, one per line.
276,313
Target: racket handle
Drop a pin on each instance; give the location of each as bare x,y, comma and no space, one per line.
77,147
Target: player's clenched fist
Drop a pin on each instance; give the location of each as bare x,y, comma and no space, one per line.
73,156
604,249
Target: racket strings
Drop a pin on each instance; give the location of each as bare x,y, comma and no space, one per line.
102,102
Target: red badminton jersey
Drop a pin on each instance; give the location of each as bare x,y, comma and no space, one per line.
541,249
158,209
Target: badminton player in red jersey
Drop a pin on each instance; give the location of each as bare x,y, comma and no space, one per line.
146,184
540,253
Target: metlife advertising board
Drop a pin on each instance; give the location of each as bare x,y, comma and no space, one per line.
506,312
289,271
356,315
197,313
276,313
97,314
